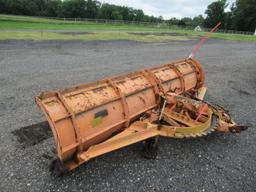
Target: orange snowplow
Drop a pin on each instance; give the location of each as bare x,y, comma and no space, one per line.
92,119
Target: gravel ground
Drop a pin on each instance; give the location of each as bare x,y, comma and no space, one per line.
220,162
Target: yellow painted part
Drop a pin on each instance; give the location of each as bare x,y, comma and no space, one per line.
193,127
201,93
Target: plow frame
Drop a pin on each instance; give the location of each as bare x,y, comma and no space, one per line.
143,90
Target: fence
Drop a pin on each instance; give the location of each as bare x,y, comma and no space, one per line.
163,24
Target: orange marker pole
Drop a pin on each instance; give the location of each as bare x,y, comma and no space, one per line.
203,39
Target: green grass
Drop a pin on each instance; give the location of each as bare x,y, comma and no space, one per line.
39,36
34,28
27,19
234,37
23,25
34,23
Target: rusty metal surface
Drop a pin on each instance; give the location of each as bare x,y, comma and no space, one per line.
92,119
88,114
190,122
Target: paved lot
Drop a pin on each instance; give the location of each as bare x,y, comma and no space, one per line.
218,163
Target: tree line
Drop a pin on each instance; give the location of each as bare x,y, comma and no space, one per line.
241,15
74,9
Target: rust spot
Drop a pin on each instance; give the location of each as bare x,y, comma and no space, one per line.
142,99
98,89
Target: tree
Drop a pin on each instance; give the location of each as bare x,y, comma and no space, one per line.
138,15
92,8
125,12
73,9
245,15
41,4
3,6
187,21
105,11
108,11
21,7
215,13
173,21
53,8
198,20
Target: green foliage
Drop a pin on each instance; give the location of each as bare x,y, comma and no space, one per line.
173,21
73,9
199,20
187,21
92,8
245,15
242,14
53,8
108,11
215,13
22,7
241,17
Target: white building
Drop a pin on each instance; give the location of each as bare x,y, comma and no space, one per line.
198,28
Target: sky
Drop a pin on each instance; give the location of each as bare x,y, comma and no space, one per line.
167,8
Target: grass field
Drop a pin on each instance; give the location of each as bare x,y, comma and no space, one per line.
33,28
88,37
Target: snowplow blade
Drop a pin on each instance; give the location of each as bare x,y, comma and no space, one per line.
89,114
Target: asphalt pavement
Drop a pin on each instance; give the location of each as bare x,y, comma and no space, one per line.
219,162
